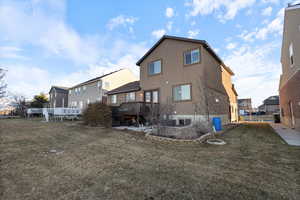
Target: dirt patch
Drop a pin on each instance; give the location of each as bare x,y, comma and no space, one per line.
99,163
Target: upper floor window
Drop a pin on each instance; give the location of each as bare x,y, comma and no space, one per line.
291,50
70,91
182,92
84,87
130,96
192,57
99,84
154,67
114,98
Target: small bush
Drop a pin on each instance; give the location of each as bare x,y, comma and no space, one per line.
97,114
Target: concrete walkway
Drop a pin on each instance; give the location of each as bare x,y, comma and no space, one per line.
290,136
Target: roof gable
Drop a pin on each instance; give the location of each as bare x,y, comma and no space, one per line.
129,87
59,88
202,42
95,79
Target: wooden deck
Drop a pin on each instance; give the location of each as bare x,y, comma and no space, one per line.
129,112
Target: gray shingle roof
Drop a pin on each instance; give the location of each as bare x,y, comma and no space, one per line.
129,87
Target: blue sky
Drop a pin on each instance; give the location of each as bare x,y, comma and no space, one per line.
61,42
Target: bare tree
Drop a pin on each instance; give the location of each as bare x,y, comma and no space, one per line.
20,104
2,83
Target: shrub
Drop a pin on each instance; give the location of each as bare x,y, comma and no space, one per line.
97,114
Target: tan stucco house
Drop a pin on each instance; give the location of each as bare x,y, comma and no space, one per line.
289,89
188,73
96,89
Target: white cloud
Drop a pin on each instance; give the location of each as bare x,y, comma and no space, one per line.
257,75
230,7
169,12
193,33
267,11
169,25
27,24
274,27
11,52
231,46
270,1
121,20
158,33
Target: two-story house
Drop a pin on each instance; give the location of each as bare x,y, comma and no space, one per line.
289,89
95,89
227,73
187,73
245,106
270,105
58,97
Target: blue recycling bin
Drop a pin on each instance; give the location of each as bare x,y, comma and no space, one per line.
217,123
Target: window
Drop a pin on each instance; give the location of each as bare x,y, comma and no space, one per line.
99,84
80,104
291,54
84,87
154,67
130,96
88,101
151,96
155,96
147,97
70,91
192,57
114,98
182,93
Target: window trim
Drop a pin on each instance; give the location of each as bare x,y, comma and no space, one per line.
161,67
126,99
151,96
200,56
186,100
291,57
112,97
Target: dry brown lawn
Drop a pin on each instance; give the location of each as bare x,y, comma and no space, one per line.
99,163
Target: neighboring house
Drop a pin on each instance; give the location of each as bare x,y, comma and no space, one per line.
7,110
231,92
289,89
58,97
188,74
95,89
245,106
270,105
130,92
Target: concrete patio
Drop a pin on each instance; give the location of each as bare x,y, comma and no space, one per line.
290,136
